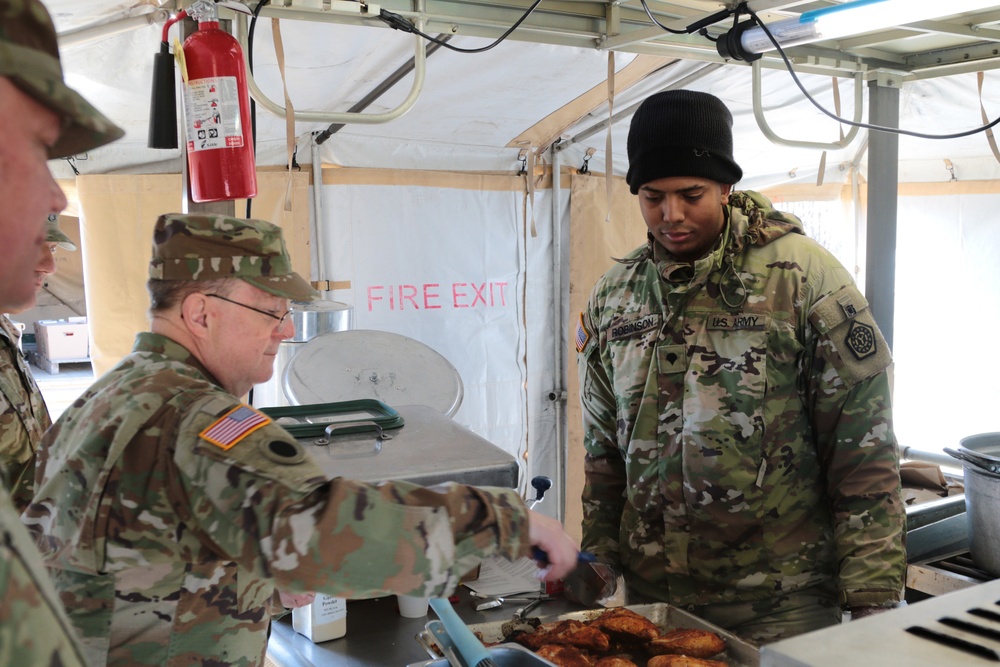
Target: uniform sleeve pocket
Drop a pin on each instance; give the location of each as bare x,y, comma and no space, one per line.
850,339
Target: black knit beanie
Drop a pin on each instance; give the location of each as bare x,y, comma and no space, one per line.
681,133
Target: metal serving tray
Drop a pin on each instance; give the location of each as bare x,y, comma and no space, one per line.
342,418
505,655
429,448
738,653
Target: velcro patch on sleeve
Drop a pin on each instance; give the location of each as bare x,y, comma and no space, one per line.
233,426
857,348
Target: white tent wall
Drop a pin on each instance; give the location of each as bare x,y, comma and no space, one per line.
946,309
947,314
461,263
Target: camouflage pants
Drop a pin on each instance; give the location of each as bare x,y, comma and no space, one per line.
780,617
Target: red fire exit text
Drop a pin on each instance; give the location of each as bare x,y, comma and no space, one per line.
430,296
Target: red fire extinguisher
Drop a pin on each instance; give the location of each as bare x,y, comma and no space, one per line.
216,112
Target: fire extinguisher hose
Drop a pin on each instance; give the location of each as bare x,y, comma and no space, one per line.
179,16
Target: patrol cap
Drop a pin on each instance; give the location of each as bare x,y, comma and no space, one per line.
29,57
54,235
206,246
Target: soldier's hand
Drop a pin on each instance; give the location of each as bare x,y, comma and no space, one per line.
589,583
561,551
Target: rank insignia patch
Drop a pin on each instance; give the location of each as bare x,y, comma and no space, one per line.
235,425
582,335
861,340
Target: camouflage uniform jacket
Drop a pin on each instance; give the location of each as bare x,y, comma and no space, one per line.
737,422
166,537
34,629
23,417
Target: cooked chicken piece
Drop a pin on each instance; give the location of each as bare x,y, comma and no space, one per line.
690,642
565,656
626,626
565,633
614,661
682,661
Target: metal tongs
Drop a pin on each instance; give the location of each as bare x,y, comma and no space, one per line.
494,601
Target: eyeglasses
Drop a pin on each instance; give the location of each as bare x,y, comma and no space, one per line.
281,318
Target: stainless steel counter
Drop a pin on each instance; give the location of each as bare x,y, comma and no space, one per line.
377,636
963,626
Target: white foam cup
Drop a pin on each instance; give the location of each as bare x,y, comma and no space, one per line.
411,606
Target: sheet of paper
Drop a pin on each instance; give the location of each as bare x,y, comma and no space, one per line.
499,576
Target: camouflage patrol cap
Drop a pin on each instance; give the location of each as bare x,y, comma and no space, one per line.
206,246
29,57
54,235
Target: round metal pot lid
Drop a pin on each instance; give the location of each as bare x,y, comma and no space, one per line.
985,444
349,365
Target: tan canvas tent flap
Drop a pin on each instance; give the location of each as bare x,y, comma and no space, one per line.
119,213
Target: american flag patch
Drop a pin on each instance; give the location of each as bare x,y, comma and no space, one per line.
582,335
235,425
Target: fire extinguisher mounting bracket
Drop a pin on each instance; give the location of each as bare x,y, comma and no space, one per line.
235,6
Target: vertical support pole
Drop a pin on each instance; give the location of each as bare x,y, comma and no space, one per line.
883,189
559,315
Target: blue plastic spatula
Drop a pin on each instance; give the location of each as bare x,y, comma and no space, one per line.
466,643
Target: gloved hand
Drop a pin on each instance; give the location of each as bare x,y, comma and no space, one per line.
589,583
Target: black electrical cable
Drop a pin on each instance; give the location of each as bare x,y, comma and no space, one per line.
399,23
253,105
694,27
653,19
867,126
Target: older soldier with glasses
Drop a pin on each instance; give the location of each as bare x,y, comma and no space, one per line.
42,119
169,511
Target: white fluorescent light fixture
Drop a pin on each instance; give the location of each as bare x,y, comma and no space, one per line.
747,40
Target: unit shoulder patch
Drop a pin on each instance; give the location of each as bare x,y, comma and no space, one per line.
234,426
861,340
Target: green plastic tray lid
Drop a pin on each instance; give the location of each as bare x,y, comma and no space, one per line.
357,416
358,363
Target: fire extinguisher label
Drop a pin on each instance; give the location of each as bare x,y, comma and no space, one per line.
212,111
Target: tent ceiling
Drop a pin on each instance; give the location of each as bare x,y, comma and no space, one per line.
919,50
547,81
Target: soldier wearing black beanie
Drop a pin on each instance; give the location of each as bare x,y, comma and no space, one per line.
735,404
681,133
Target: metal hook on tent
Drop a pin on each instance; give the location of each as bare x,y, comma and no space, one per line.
585,169
951,169
523,157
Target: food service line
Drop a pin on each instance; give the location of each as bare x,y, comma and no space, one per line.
377,636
